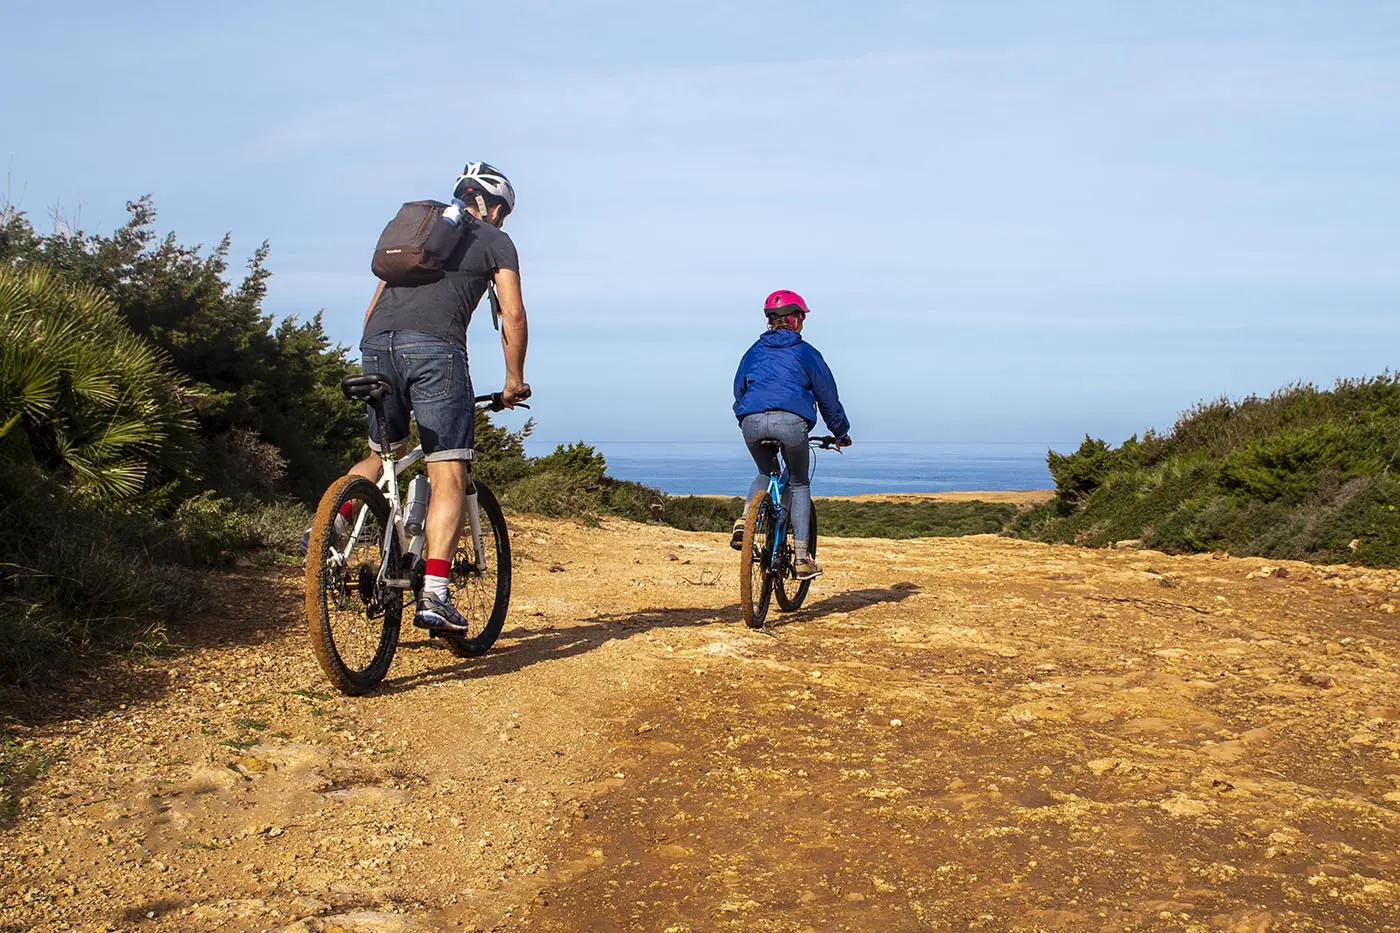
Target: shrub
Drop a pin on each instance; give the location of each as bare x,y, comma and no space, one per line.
95,405
1303,473
75,578
577,459
554,494
632,501
703,513
278,381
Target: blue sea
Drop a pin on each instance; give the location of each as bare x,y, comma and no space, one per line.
694,467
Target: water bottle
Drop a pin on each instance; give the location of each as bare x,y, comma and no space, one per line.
418,492
453,212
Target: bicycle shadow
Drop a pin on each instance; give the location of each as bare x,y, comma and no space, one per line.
528,646
846,602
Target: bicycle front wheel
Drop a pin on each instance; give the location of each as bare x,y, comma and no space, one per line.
353,620
791,592
480,583
755,574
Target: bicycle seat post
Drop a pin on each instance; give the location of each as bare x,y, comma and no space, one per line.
776,446
372,389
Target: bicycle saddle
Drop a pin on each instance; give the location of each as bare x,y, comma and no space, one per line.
371,387
771,444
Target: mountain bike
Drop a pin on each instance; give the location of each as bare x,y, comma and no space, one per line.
766,557
365,552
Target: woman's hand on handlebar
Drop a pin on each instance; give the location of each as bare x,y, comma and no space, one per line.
843,441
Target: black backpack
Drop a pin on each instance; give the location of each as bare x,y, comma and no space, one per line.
416,244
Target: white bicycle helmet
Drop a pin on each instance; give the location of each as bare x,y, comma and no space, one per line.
485,181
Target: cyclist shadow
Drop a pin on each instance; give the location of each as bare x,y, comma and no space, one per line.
848,601
528,646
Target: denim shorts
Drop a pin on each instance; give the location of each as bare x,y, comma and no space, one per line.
431,381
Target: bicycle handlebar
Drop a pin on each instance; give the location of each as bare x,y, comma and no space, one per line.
495,401
827,443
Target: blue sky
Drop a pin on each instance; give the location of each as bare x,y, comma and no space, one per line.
1015,221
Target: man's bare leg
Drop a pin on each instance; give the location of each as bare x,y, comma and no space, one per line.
444,522
444,527
369,468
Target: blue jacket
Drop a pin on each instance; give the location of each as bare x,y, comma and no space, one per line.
782,373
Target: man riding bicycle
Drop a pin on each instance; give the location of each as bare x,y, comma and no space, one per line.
781,383
416,336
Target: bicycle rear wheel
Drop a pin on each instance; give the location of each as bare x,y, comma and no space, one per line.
353,621
791,592
755,576
481,589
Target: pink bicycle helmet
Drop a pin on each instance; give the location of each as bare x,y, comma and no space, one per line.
783,303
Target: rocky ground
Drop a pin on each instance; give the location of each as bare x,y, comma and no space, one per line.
954,734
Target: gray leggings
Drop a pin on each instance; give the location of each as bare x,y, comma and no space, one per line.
791,431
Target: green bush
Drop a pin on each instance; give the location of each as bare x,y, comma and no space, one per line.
632,501
1304,473
921,519
278,381
76,578
703,513
90,402
577,459
845,518
554,494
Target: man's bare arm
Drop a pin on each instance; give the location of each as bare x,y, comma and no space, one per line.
515,334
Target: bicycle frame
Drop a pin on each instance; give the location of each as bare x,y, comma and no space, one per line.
389,482
776,484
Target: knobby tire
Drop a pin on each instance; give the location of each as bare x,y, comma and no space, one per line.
353,633
482,598
755,579
792,601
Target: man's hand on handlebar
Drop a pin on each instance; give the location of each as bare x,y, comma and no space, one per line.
515,391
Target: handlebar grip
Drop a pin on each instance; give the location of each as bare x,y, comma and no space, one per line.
496,401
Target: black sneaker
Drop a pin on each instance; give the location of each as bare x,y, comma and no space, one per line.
736,540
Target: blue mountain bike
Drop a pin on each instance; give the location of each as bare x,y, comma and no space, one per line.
766,558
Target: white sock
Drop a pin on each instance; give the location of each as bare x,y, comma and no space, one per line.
435,587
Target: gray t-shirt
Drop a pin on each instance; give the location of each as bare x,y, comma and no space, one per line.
443,308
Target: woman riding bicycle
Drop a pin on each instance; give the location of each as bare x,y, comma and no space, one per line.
781,383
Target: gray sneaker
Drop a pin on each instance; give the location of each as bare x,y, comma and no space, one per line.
434,613
806,568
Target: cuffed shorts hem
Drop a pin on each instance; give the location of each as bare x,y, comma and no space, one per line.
461,453
396,445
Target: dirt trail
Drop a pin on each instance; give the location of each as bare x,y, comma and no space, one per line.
955,734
